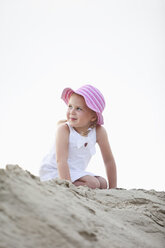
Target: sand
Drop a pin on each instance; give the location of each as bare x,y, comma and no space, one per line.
56,213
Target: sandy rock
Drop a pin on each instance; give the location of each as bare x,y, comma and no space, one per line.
58,214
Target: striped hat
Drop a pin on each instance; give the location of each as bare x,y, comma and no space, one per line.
93,98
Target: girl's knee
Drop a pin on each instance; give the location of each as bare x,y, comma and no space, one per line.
103,182
92,182
95,183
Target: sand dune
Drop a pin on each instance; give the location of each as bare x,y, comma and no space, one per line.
51,214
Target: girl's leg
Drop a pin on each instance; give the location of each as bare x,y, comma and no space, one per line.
90,181
103,182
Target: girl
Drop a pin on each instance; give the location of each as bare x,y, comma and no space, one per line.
75,141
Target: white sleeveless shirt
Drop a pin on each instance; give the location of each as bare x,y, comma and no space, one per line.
81,149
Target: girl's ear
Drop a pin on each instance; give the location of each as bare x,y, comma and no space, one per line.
94,118
93,121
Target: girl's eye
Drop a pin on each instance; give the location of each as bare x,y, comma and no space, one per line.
70,107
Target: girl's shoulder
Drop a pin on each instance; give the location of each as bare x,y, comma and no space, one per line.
62,136
100,133
62,128
100,129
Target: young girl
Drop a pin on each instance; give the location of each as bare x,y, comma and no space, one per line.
75,141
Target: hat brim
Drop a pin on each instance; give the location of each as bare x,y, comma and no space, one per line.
66,94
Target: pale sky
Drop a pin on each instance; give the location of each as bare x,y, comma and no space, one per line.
117,46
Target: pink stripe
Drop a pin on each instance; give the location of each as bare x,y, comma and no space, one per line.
98,93
68,94
90,100
96,100
87,93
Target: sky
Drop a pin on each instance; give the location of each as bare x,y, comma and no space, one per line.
118,47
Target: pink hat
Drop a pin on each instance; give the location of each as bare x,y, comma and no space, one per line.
93,98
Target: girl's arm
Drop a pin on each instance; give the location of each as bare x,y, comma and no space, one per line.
110,165
62,141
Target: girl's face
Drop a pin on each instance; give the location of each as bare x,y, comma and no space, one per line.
79,115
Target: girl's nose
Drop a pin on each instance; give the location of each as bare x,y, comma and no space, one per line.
72,111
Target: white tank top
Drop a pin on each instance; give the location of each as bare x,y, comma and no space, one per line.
81,149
